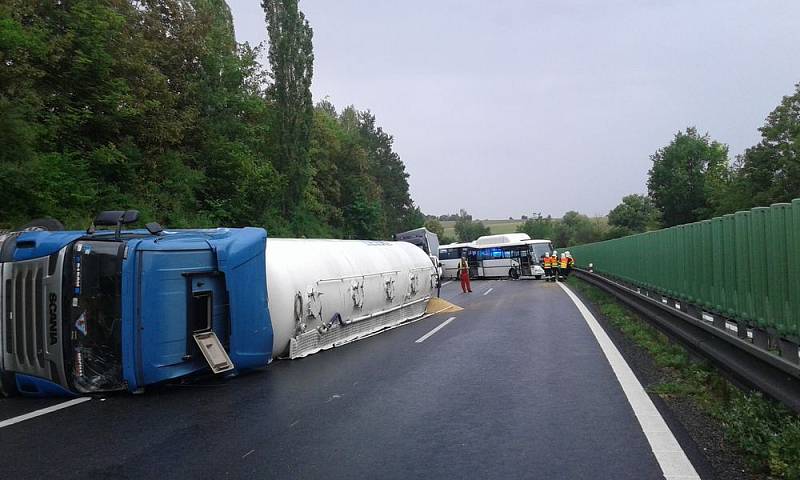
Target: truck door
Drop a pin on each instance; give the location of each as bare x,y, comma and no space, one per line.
182,294
207,308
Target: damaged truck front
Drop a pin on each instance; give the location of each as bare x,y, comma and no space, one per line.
94,312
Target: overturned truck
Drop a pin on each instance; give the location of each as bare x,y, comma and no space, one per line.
111,310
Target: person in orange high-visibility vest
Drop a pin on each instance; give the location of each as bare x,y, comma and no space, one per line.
563,262
463,273
546,266
554,266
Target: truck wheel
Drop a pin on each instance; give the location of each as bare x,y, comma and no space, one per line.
538,277
513,273
8,385
46,224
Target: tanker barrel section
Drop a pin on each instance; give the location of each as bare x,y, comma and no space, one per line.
324,293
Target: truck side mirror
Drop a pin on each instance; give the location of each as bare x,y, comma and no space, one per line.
113,218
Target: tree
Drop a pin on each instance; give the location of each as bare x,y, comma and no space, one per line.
291,60
578,229
152,105
435,226
770,171
635,214
537,227
467,230
686,176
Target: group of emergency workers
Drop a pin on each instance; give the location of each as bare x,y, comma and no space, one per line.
555,267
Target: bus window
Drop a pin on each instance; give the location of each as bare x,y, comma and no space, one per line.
449,254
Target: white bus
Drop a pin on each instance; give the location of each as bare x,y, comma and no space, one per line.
512,255
450,255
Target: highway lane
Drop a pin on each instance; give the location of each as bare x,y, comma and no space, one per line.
515,386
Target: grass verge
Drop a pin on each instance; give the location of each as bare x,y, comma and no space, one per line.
765,433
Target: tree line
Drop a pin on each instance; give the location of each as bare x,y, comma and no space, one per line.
153,105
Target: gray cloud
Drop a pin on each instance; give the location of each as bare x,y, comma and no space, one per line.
509,107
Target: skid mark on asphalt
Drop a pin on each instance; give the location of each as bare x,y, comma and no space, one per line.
670,456
43,411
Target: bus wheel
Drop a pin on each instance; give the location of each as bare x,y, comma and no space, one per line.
513,273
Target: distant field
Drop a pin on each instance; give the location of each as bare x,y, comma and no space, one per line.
496,226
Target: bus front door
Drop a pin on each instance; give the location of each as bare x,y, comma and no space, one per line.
526,265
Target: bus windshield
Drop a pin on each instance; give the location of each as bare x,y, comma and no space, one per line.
539,249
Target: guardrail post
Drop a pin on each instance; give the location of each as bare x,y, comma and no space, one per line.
741,330
761,338
789,351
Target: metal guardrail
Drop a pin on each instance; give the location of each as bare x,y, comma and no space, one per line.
735,352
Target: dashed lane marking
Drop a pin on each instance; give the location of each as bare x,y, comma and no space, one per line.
670,456
43,411
487,292
441,326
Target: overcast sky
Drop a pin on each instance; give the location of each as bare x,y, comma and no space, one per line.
508,107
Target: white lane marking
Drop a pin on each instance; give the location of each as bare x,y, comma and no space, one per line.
43,411
487,292
447,283
670,456
441,326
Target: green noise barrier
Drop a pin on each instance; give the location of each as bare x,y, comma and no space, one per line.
744,266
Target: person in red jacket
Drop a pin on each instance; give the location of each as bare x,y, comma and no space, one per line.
463,274
570,263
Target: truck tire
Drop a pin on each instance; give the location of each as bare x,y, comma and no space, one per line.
538,277
46,224
8,385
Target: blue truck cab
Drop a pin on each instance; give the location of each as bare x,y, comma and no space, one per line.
85,313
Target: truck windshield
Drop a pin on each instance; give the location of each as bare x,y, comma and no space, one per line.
95,330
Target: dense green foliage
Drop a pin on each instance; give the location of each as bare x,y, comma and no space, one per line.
468,230
435,226
770,171
152,105
684,176
572,229
636,213
538,227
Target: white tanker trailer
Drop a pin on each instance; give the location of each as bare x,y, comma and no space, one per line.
327,292
121,310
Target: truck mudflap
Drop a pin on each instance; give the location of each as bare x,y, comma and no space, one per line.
338,332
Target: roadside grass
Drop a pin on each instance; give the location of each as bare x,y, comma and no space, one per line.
765,433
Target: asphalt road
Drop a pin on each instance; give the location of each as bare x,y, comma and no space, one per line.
515,386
